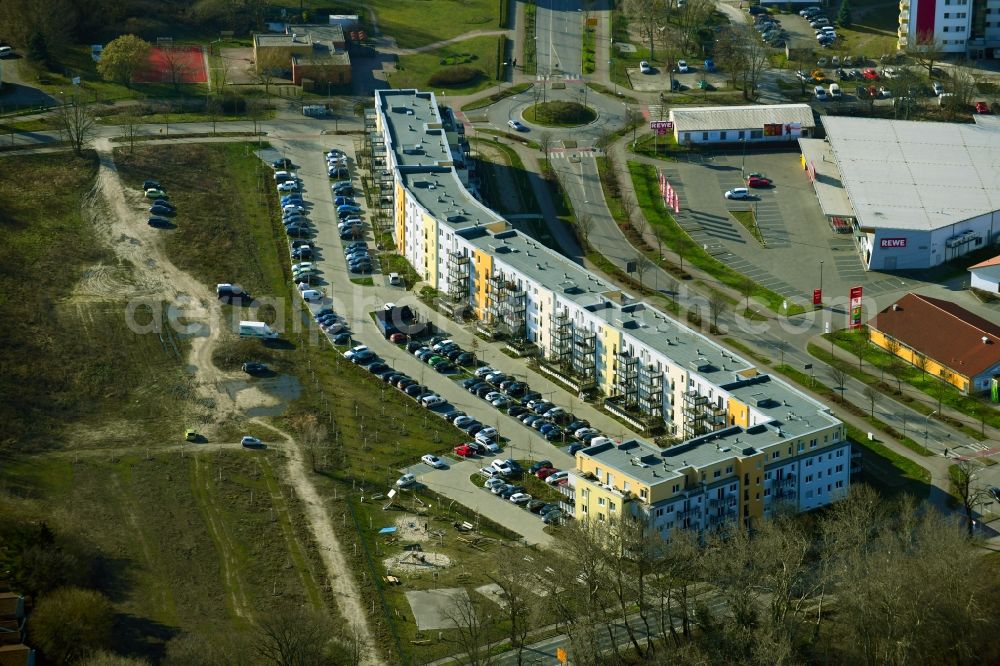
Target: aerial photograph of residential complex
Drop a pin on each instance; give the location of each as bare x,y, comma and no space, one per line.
499,332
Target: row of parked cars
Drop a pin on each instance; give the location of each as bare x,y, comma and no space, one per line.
350,224
517,399
161,209
440,353
500,475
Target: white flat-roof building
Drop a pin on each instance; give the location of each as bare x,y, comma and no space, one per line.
986,275
914,194
951,26
755,123
652,371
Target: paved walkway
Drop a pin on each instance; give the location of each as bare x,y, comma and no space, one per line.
389,48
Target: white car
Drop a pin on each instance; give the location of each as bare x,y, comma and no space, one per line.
492,447
487,434
303,266
312,295
493,395
502,466
493,482
516,126
462,421
406,480
938,89
520,498
285,175
644,67
554,412
583,432
433,461
483,371
820,93
432,400
738,193
556,478
251,442
288,186
682,67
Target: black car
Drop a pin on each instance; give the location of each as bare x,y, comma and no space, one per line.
376,368
413,390
157,221
413,346
465,359
403,383
361,269
445,367
302,243
516,410
474,428
465,383
342,339
151,185
483,390
392,377
161,211
529,396
478,385
283,163
252,368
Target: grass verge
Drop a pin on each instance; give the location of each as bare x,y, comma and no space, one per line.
901,373
749,222
515,89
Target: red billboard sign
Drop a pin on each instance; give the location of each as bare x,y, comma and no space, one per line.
817,297
855,307
892,242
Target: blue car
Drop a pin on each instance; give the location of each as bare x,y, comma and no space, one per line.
345,208
344,201
709,65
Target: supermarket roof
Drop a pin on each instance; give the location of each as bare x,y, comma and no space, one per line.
707,118
902,174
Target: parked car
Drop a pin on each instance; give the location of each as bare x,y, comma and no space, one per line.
520,498
644,67
683,67
541,464
982,107
433,461
556,478
738,193
464,451
251,442
406,481
758,181
157,221
253,368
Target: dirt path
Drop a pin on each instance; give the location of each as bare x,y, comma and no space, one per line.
387,48
118,215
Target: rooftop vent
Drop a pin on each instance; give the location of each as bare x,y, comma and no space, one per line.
986,340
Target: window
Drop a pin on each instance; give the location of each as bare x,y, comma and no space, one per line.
717,473
722,136
643,493
809,478
756,134
775,454
729,470
809,462
839,484
600,517
704,136
840,468
600,501
611,506
742,135
659,513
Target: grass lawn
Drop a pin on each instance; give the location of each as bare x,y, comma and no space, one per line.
647,190
515,89
559,114
414,71
74,375
423,22
198,543
749,222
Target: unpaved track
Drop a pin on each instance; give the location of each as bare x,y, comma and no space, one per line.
119,215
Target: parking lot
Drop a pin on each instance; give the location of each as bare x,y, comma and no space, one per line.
797,235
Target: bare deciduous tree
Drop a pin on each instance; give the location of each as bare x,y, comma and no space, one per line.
545,143
585,225
650,17
176,66
838,373
130,121
872,396
964,484
474,619
716,305
927,51
76,119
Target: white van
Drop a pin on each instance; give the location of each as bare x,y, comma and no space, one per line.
946,98
6,51
394,279
256,329
835,91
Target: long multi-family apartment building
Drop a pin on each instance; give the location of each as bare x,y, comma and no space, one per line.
740,440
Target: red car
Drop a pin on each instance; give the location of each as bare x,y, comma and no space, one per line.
465,451
870,74
981,107
397,337
758,181
545,472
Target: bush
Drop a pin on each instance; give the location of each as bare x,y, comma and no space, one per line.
71,623
455,76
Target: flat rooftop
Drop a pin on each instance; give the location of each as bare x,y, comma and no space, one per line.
921,176
829,185
424,158
752,116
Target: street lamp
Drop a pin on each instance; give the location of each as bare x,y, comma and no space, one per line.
503,73
821,282
743,165
927,420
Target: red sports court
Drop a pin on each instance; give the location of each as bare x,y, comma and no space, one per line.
185,64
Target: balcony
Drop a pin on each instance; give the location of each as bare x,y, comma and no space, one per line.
904,18
904,5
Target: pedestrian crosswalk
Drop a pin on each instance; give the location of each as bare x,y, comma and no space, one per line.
565,77
574,153
656,112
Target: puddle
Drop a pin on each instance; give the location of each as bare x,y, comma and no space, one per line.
280,390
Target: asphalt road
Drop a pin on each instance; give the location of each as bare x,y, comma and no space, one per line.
558,37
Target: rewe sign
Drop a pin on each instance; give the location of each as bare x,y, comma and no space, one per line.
892,242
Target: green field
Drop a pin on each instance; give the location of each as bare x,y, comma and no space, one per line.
422,22
415,71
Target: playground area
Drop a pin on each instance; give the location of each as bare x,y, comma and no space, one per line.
174,64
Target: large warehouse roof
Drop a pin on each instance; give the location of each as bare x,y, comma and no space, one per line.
903,174
708,118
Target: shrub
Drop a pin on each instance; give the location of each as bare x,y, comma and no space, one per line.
454,76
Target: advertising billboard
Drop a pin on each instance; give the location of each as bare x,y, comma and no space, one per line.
855,307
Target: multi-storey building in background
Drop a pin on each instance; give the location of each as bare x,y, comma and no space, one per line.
971,27
736,440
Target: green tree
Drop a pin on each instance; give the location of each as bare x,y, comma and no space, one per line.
844,19
105,658
38,48
122,57
71,624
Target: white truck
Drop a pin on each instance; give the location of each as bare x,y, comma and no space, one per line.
256,329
